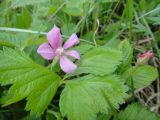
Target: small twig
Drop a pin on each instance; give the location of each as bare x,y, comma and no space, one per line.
153,96
155,107
147,40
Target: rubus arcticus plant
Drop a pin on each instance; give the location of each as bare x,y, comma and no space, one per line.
93,87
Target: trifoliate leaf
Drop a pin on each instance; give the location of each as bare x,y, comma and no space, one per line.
29,79
100,61
83,98
136,112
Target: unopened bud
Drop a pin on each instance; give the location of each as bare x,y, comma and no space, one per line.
144,58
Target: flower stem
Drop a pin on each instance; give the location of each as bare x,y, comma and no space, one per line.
54,62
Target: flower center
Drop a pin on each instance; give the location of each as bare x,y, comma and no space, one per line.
59,51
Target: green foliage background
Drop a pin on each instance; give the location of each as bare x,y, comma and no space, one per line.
112,34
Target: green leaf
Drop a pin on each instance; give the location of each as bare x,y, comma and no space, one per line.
140,28
127,53
21,3
69,29
74,11
14,39
154,20
88,36
83,98
74,8
136,112
22,19
143,75
77,8
28,117
104,116
100,61
29,79
38,22
82,49
42,96
8,39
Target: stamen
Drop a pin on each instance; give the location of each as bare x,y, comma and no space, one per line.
59,51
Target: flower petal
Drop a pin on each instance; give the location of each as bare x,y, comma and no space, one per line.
74,54
54,37
67,65
46,51
73,40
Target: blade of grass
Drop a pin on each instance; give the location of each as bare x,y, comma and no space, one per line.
152,36
129,9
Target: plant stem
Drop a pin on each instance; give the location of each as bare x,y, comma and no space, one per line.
96,15
54,62
94,35
36,32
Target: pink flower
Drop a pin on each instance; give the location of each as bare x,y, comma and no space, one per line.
148,54
54,48
145,57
